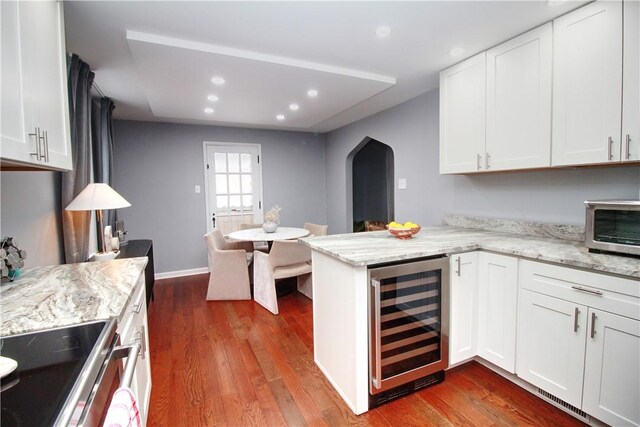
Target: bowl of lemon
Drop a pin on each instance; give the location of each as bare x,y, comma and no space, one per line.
403,231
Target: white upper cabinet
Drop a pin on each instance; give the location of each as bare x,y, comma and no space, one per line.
462,116
519,101
587,85
35,112
630,147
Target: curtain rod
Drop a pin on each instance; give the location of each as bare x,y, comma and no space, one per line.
97,88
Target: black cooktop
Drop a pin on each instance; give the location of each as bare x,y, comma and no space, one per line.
49,363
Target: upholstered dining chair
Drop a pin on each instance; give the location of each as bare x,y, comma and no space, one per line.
229,265
287,258
316,229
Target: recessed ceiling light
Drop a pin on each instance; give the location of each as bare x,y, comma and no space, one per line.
208,110
456,52
312,93
294,107
217,80
383,31
212,98
280,117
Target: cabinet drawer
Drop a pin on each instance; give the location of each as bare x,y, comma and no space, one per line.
609,293
135,306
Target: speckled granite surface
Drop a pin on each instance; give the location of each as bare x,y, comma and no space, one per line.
527,228
48,297
377,247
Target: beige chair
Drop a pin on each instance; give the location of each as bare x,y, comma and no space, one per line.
287,258
316,229
229,265
258,246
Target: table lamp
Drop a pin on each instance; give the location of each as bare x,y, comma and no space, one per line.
96,197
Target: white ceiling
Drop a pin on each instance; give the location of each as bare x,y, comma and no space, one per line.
156,59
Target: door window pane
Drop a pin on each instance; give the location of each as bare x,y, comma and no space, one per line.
247,201
220,160
234,202
222,202
234,183
234,162
246,184
221,184
245,160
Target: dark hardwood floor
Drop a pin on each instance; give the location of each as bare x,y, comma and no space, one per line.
234,363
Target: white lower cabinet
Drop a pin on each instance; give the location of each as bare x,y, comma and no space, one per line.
497,308
612,369
133,330
463,312
551,334
572,345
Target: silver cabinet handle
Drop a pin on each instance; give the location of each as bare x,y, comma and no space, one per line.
575,320
458,266
589,291
136,308
376,378
487,157
627,140
478,160
610,148
46,146
36,135
593,324
141,338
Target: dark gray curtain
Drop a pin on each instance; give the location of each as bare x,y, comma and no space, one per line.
102,136
75,225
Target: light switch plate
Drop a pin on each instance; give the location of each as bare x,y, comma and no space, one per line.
197,189
402,184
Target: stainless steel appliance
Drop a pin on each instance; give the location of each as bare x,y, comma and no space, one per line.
65,376
409,326
613,226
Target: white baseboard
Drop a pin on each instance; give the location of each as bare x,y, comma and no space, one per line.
181,273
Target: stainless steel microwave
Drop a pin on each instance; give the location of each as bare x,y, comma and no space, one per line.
613,226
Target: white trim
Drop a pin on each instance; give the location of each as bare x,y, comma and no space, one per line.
181,273
255,56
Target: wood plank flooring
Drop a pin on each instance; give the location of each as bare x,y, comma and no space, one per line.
234,363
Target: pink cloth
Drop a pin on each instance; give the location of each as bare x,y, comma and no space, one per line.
123,411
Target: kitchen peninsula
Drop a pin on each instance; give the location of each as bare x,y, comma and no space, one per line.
511,262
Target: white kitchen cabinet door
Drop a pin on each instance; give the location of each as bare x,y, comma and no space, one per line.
630,146
551,340
462,116
39,134
519,101
497,308
463,307
587,85
612,369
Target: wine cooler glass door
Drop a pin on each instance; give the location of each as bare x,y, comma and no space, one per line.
409,322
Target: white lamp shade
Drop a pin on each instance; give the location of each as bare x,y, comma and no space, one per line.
97,196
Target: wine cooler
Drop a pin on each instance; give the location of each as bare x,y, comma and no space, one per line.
408,332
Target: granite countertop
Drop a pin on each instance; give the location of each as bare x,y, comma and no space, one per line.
67,294
377,247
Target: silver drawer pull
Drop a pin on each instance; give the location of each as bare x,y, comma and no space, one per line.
610,148
575,320
478,160
593,325
136,308
589,291
628,142
458,266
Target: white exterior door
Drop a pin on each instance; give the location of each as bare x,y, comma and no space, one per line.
631,83
462,116
463,309
550,350
519,101
587,85
612,371
497,306
233,185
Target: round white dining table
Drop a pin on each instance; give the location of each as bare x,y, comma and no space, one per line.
259,235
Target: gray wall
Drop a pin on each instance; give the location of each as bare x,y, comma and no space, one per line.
31,213
411,129
157,166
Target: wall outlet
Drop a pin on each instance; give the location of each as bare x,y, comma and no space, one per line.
402,184
197,189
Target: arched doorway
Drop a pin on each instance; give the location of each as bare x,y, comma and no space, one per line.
372,178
